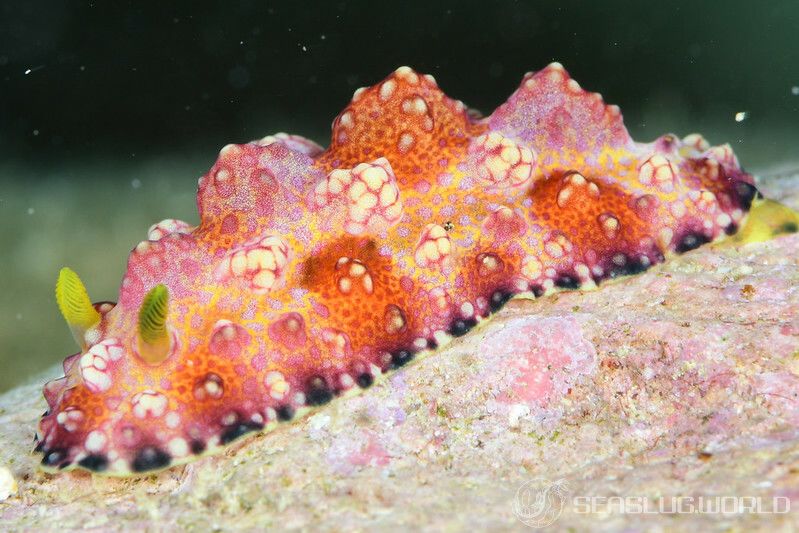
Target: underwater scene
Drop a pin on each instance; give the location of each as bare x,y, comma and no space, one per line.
443,265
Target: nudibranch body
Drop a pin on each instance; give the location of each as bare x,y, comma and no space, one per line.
312,272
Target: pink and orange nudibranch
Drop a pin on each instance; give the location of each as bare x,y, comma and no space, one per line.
313,272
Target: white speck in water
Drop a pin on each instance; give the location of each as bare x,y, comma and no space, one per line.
795,90
28,71
304,49
35,132
323,36
82,68
135,183
31,210
740,116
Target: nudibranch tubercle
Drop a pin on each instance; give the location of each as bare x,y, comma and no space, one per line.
313,272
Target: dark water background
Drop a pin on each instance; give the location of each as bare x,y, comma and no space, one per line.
109,111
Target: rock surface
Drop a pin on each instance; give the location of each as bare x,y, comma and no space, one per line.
680,382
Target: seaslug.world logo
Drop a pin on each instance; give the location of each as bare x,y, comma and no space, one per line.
539,502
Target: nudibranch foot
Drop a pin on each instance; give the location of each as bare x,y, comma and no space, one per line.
313,272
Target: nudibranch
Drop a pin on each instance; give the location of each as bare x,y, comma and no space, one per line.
314,271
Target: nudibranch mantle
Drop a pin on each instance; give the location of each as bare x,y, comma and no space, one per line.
314,271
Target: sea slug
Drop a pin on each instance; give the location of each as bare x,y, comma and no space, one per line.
315,271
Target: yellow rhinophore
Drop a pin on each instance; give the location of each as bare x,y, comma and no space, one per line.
154,342
75,305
